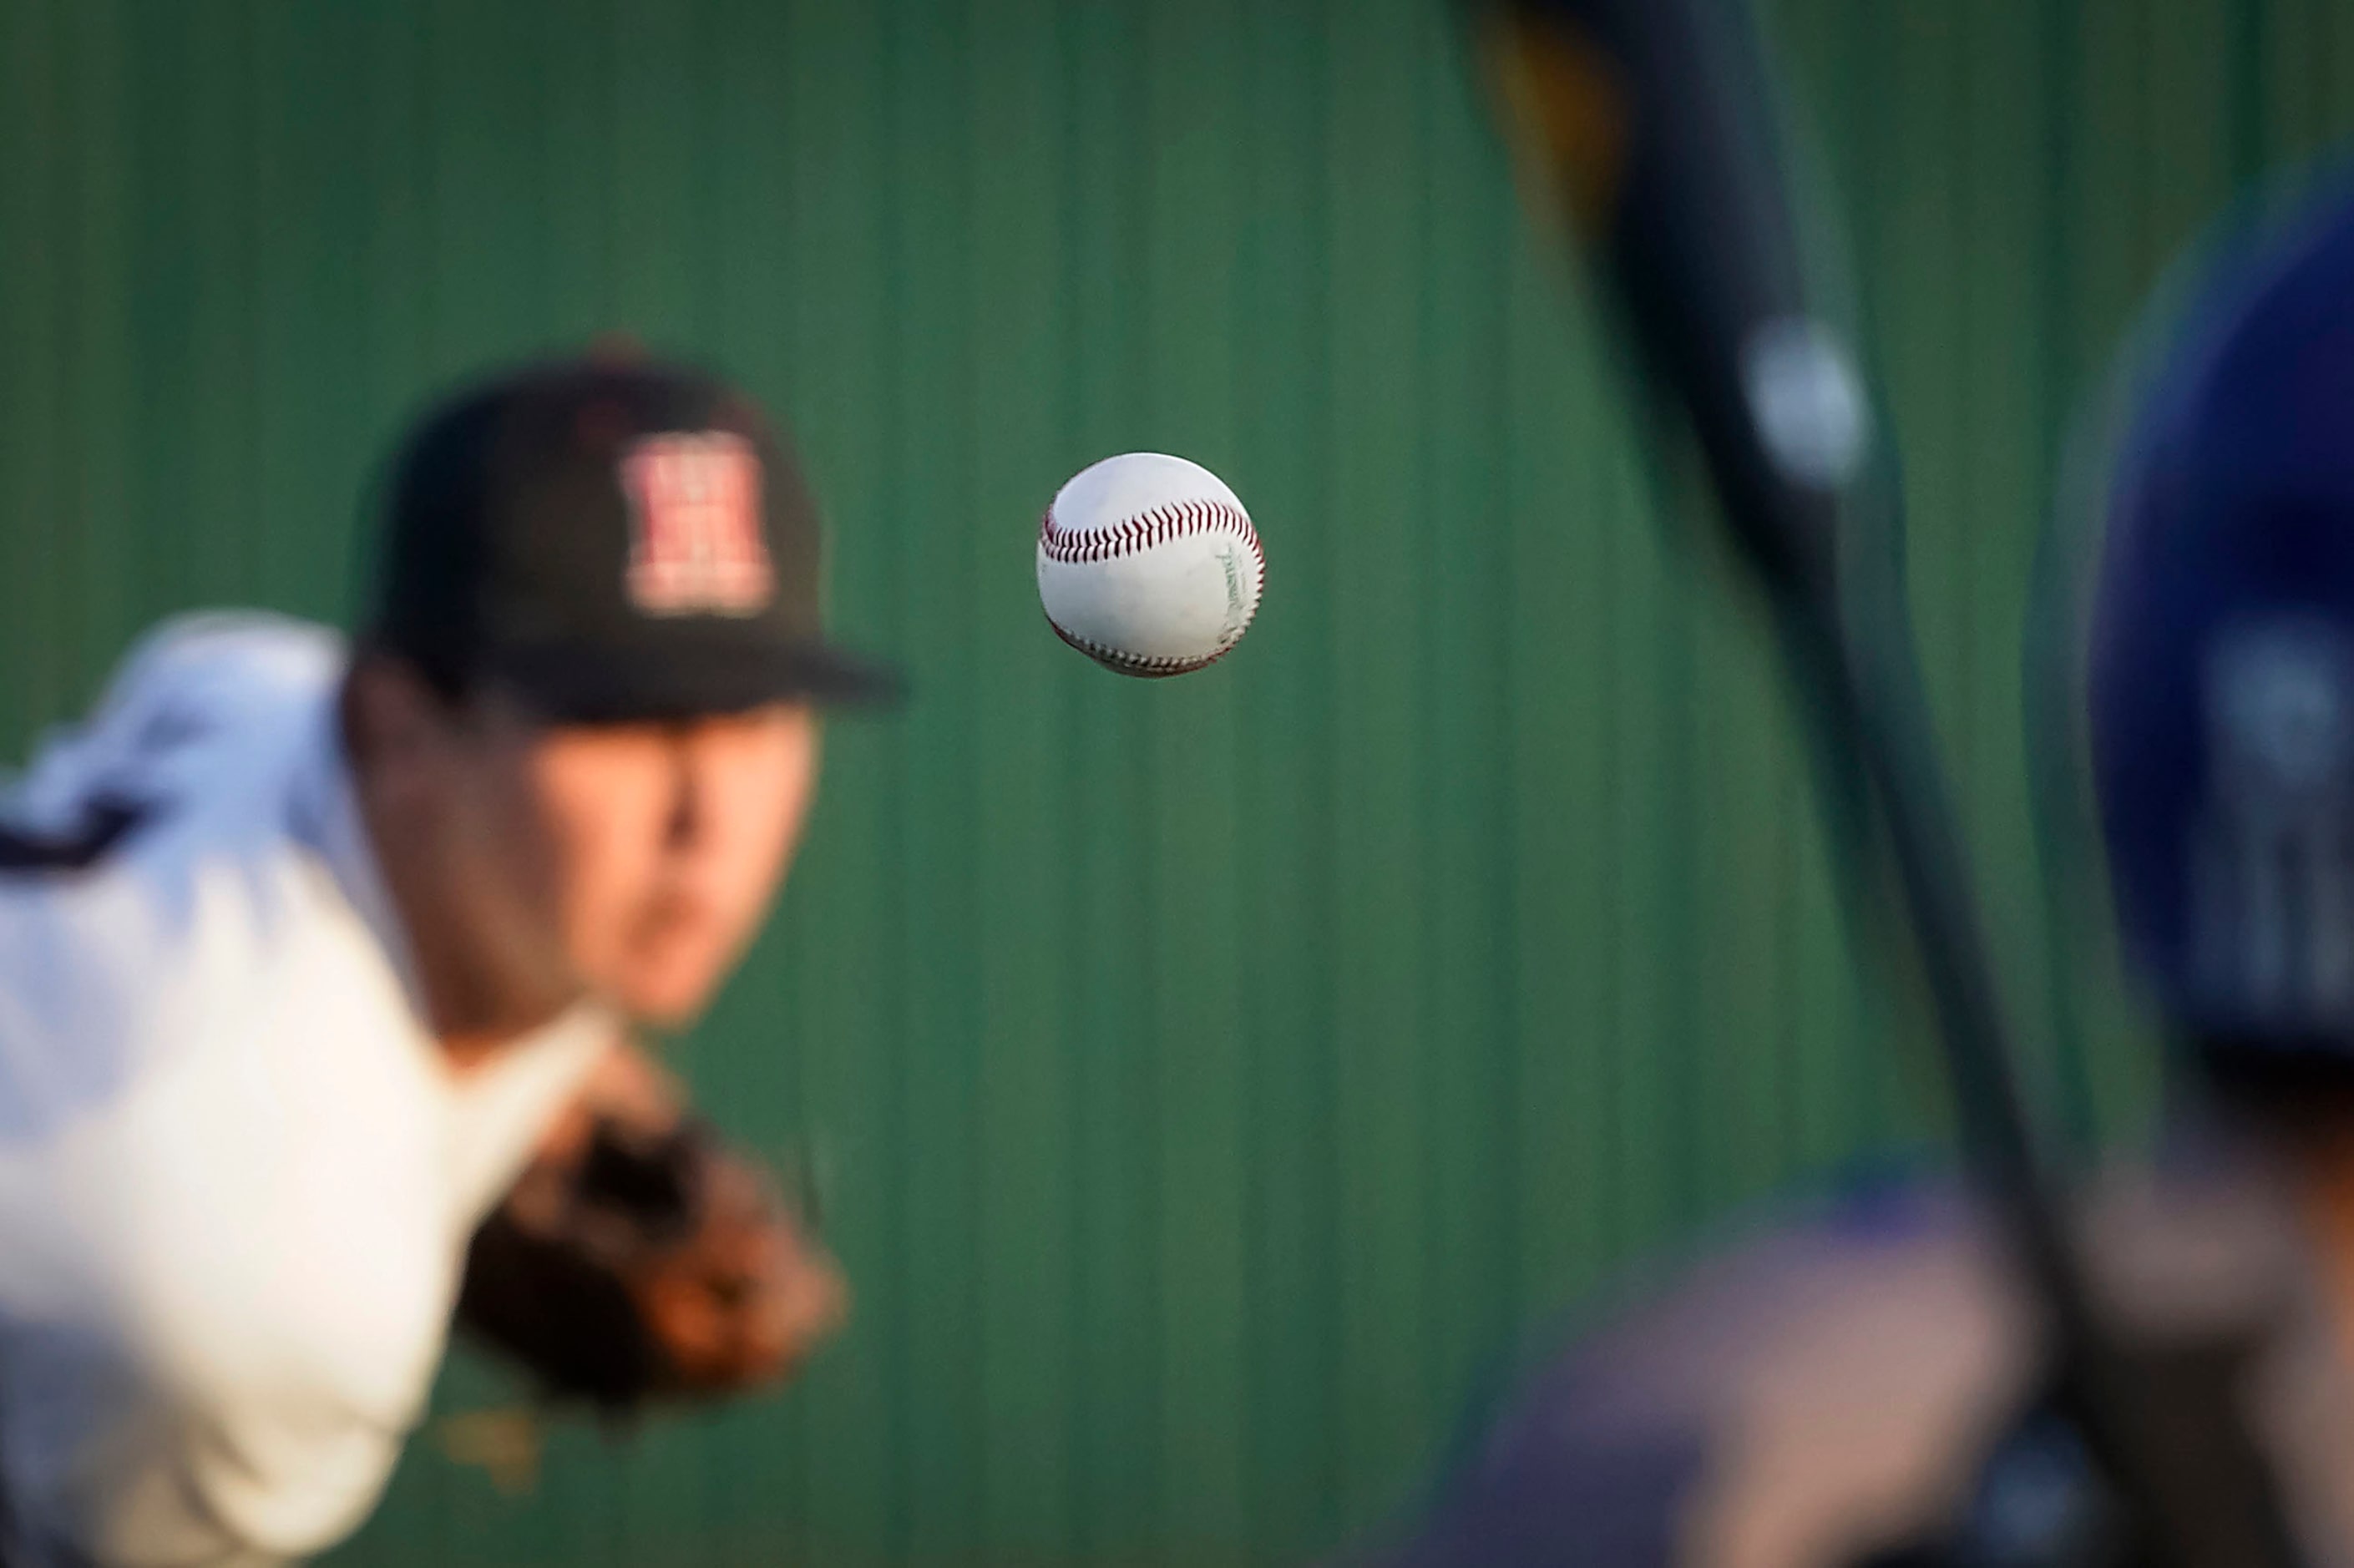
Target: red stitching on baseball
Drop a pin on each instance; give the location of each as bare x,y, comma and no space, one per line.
1170,521
1161,524
1137,663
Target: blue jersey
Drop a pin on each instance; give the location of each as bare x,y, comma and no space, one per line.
1835,1387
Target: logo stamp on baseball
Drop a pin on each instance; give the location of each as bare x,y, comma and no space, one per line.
1148,564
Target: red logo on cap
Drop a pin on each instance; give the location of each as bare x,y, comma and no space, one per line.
695,545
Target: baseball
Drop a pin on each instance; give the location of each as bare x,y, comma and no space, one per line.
1148,564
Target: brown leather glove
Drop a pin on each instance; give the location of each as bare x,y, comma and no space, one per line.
644,1263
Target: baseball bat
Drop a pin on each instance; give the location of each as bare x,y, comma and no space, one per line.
1654,123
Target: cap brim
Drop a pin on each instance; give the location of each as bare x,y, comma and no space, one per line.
581,685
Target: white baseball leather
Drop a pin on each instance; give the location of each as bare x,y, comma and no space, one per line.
1148,564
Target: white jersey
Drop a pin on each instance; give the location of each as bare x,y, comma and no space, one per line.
236,1176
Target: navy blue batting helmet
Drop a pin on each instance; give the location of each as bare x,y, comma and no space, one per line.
2220,661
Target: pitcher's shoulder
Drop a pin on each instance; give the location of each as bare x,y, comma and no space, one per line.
193,701
152,868
224,661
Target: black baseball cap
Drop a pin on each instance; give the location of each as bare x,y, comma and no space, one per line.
614,540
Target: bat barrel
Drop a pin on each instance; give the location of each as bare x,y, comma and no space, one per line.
1652,121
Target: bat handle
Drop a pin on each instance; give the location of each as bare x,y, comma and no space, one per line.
2190,1484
